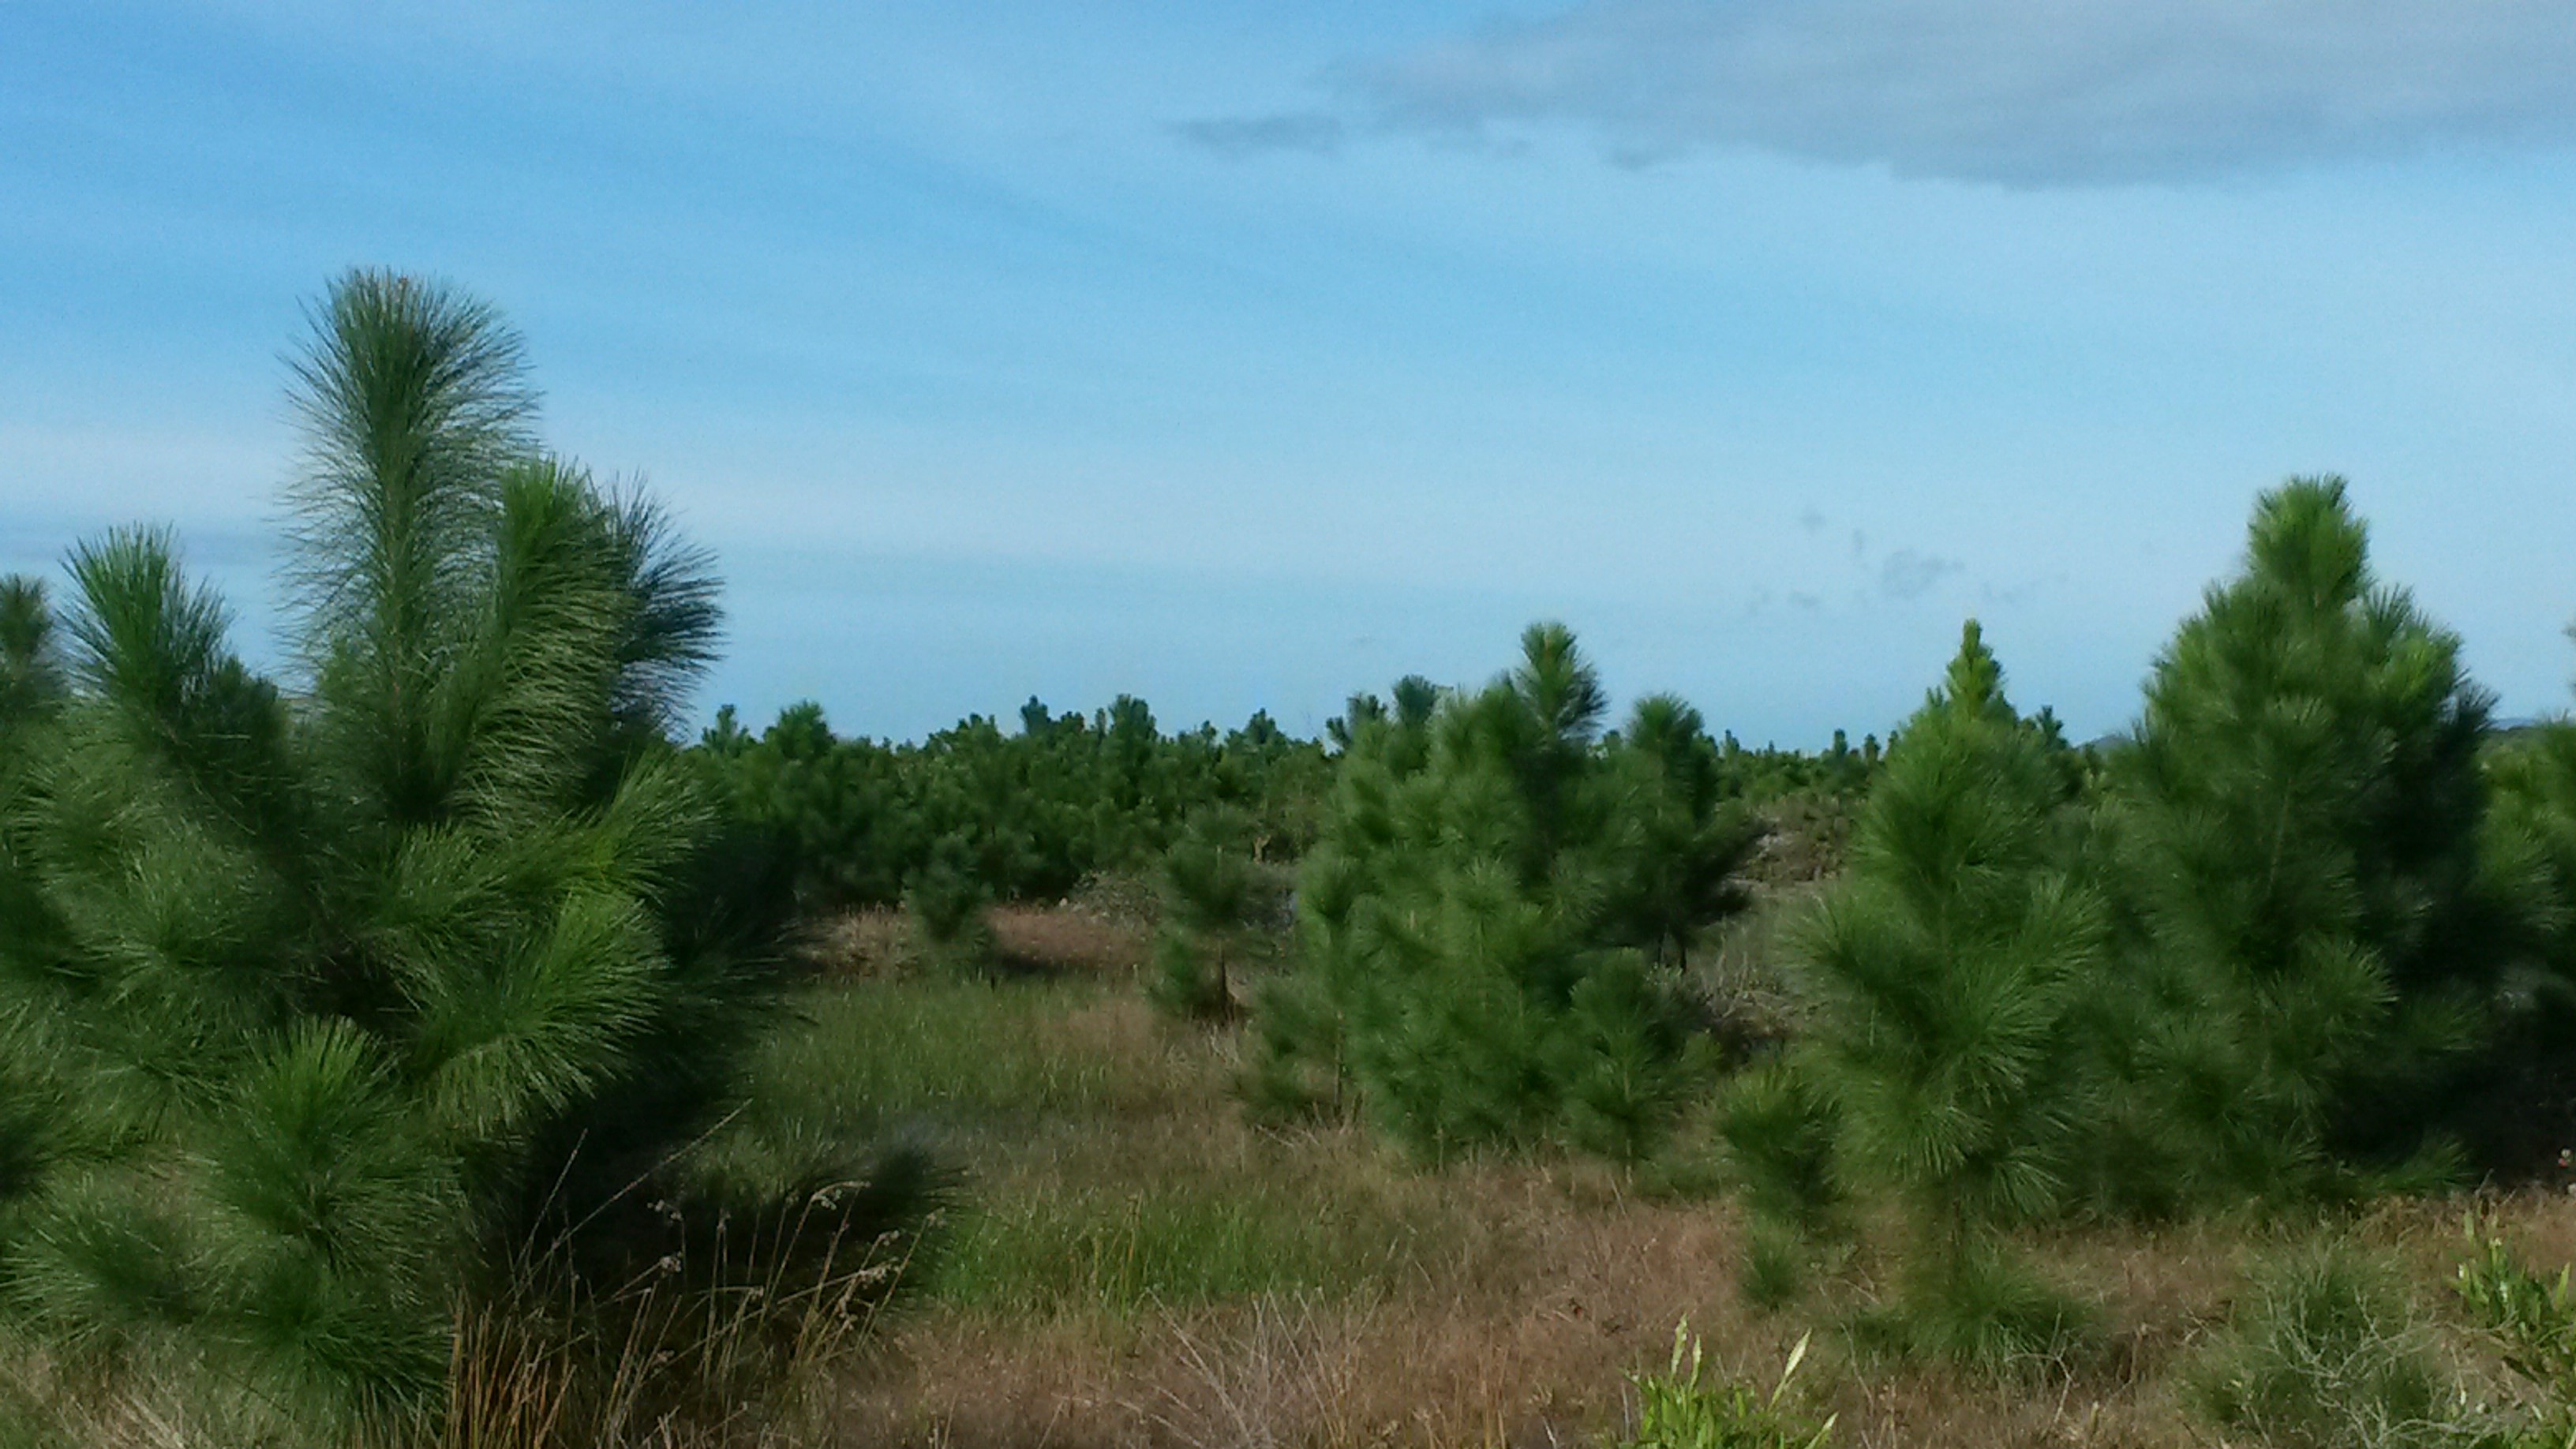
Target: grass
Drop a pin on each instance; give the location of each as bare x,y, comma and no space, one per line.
968,1056
1103,1169
1135,1264
1130,1262
1159,1246
2329,1354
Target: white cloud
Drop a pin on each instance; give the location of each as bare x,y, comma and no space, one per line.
2023,92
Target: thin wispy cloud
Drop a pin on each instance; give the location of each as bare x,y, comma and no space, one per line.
1909,574
1315,132
2022,92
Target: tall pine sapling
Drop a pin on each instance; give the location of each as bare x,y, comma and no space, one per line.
1465,919
344,1006
1943,1062
2302,816
951,909
1212,892
1692,841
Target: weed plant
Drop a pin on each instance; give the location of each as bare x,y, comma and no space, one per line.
1685,1407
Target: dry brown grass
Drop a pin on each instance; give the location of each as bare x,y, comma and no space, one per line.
1521,1339
1069,939
1509,1300
1489,1304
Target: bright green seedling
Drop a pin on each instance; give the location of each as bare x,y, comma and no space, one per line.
2532,1321
1685,1408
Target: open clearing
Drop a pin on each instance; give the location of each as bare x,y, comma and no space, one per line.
1132,1263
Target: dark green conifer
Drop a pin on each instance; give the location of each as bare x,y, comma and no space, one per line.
1212,891
331,1011
1945,971
2301,816
1466,917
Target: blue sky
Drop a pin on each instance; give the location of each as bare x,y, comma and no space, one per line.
1243,355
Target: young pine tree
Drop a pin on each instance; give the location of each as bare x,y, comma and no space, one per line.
2301,815
336,1009
951,909
1212,890
1691,841
1466,974
1941,1075
2530,860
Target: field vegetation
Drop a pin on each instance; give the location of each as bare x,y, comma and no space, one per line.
431,1046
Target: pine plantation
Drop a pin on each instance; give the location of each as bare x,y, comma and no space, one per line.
428,1014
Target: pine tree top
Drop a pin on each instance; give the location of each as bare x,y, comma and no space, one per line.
1974,684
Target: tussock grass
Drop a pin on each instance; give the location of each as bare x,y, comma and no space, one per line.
2329,1354
1105,1169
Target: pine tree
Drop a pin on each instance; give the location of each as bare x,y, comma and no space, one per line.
1212,888
1691,843
2302,815
31,671
951,909
1942,1067
333,1008
1467,975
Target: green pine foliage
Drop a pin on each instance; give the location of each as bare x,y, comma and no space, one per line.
1035,812
2530,863
328,1009
1694,839
1941,1075
2274,947
31,668
951,910
1477,912
2301,821
1215,895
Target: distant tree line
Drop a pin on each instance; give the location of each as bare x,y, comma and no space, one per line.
1021,814
1028,813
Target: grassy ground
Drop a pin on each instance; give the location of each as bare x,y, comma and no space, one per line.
1132,1264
